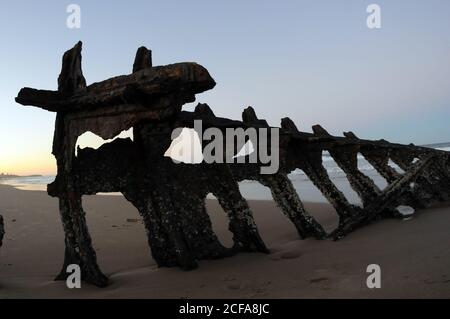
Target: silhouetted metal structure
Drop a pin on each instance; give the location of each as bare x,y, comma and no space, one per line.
171,197
2,230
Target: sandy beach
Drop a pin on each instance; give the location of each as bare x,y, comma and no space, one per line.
413,255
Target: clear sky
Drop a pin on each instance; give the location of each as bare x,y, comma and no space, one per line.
314,61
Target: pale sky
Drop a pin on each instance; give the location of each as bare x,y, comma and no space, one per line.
314,61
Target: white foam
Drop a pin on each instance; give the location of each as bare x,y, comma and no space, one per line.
406,211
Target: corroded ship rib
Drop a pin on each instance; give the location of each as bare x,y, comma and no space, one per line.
2,230
171,197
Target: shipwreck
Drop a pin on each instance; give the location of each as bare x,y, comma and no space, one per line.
170,197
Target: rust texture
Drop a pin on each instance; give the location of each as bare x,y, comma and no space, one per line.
171,197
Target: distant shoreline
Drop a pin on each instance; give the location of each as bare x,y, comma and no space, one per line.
18,176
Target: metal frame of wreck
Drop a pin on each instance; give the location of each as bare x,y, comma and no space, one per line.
171,198
2,230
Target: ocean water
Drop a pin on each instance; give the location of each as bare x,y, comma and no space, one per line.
29,183
255,191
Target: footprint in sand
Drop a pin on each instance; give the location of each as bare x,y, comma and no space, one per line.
258,292
430,281
319,280
286,255
234,286
291,255
322,283
132,220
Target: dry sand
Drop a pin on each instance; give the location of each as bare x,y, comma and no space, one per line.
414,255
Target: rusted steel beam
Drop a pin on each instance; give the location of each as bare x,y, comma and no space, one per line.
143,87
389,197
